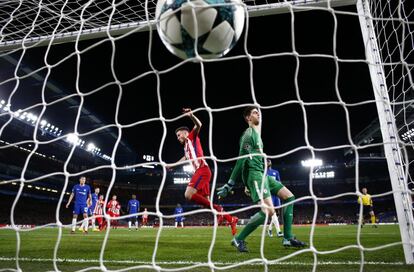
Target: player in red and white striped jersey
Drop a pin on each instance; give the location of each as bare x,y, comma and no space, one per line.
111,206
98,212
198,190
117,213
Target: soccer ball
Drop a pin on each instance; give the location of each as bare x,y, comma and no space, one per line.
216,25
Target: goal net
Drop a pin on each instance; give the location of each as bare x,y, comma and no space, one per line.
88,89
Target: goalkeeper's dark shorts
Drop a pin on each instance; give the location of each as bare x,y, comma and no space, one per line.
254,181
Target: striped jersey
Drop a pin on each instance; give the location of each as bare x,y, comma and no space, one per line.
193,150
112,205
98,210
145,215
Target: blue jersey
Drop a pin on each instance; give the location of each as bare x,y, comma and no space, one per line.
133,206
178,211
95,198
273,173
81,193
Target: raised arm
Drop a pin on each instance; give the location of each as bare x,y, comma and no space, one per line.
196,121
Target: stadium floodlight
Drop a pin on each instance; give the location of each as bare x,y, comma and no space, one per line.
90,147
312,163
2,102
72,138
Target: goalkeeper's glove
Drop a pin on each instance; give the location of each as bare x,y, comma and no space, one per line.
224,190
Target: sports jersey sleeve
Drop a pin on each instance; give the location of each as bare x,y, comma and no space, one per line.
191,135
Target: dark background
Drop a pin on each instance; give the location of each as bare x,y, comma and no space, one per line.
307,72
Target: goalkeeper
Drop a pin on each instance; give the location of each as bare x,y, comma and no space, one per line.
250,170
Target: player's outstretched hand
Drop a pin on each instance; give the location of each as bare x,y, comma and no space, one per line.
223,191
187,111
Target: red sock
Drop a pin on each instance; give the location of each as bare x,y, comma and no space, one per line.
201,200
226,216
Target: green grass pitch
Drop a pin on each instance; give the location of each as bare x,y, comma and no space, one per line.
188,248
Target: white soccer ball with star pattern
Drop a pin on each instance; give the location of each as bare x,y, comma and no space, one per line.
214,25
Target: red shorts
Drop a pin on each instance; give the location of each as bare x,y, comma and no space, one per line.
201,180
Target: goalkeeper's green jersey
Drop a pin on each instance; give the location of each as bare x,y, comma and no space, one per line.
250,143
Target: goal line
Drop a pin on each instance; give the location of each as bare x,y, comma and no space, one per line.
40,260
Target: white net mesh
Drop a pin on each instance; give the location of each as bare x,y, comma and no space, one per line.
92,107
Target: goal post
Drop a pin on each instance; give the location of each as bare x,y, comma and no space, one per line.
397,167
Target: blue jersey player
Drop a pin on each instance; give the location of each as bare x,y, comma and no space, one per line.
178,217
82,194
276,201
95,197
133,208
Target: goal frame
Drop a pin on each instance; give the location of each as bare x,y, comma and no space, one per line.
140,26
389,131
